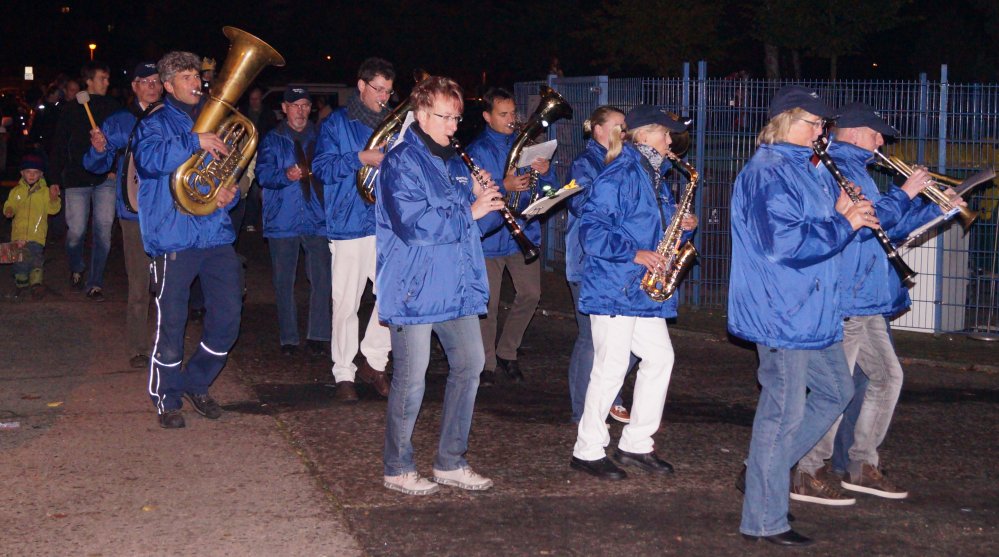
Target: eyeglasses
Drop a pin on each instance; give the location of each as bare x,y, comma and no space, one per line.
455,119
304,107
149,82
820,123
380,90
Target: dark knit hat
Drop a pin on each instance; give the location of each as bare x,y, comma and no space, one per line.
31,161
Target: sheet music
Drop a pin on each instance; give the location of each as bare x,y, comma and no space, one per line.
532,153
545,204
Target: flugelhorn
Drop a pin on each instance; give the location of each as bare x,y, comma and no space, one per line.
935,192
197,182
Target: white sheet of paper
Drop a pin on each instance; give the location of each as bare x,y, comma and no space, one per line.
532,153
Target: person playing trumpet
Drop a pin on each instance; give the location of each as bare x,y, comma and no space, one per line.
350,227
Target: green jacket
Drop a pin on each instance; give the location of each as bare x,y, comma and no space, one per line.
31,208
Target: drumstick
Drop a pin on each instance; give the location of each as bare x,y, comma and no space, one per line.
83,98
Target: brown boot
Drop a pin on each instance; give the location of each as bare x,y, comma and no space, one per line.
373,377
345,392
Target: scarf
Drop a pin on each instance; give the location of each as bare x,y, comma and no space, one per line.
357,111
654,159
445,152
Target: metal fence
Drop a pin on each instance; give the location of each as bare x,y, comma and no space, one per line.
951,128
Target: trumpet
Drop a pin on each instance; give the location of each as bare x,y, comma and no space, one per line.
935,192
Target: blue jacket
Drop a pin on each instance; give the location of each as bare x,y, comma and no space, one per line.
584,171
116,129
489,151
287,214
164,141
868,283
336,165
430,264
621,216
786,243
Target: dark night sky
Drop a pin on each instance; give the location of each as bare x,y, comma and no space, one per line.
510,41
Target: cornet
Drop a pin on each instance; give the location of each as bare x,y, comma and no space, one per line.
935,192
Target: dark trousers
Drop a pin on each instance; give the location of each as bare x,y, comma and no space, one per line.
218,269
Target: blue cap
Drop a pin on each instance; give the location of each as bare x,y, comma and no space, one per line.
790,97
144,69
645,114
861,115
292,94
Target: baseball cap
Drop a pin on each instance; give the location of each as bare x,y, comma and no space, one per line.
790,97
292,94
861,115
645,114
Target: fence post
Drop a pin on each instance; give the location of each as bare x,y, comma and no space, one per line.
700,131
942,169
685,92
923,127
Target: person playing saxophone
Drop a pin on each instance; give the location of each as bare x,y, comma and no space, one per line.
624,218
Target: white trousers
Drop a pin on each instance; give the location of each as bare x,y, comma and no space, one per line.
614,339
352,265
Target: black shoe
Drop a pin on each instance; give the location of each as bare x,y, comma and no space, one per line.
205,405
317,348
789,538
289,349
196,315
487,378
649,462
602,468
511,369
139,361
171,419
740,484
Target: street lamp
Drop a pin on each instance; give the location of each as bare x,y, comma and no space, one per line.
92,47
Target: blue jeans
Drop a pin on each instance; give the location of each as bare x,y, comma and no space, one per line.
221,278
78,204
787,425
29,270
284,259
581,361
462,343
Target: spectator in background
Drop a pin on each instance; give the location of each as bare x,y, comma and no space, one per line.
29,204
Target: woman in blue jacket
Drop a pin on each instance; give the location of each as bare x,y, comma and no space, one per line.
622,224
431,278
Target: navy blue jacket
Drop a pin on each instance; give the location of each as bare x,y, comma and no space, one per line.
868,283
787,240
287,214
430,264
164,141
584,171
621,216
116,129
489,151
336,164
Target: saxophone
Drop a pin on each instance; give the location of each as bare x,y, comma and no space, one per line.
661,284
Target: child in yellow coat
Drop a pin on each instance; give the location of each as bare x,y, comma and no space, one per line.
30,203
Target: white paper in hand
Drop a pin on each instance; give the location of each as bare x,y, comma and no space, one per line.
532,153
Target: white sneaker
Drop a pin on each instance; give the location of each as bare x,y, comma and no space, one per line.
464,478
411,483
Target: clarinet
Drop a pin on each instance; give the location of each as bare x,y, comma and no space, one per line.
526,246
907,275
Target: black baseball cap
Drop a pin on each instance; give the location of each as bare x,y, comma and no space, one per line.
790,97
292,94
645,114
861,115
144,69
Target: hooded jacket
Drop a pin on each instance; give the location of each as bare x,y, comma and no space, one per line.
164,141
336,164
31,206
116,130
430,265
787,240
287,213
489,151
868,283
621,216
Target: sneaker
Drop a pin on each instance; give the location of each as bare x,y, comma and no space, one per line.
139,361
205,405
873,482
96,294
171,419
463,478
411,483
76,281
620,413
819,489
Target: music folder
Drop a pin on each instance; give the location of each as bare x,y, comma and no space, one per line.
545,204
977,179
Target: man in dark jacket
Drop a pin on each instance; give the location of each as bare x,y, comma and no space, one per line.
85,191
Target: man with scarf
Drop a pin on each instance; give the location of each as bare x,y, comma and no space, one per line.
107,150
294,220
350,227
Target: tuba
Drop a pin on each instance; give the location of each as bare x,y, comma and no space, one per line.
551,107
390,126
662,283
196,183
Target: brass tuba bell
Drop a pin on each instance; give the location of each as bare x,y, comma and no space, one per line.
551,107
197,182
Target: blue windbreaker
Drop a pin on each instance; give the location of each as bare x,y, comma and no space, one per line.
584,171
287,214
430,263
868,283
164,141
336,165
786,243
621,216
116,129
489,151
